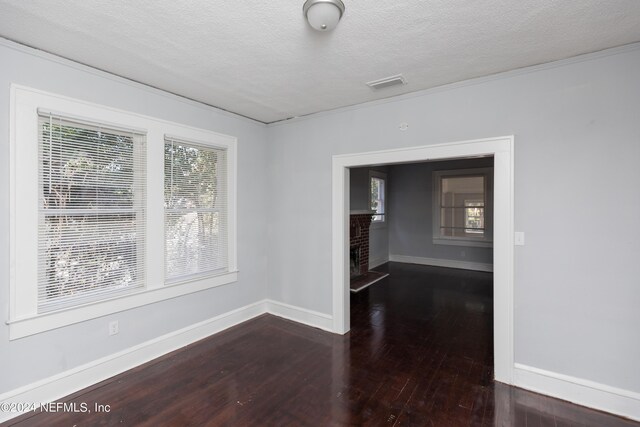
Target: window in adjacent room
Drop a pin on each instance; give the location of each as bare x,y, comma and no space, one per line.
377,200
462,207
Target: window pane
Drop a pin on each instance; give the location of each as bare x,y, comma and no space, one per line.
455,190
193,243
91,222
84,167
84,256
451,217
474,217
195,209
191,178
462,206
377,198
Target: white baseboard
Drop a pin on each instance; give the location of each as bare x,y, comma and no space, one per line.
68,382
582,392
436,262
301,315
373,263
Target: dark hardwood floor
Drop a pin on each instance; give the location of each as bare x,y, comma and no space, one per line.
419,353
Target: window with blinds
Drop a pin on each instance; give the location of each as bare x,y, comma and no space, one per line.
91,222
89,235
196,211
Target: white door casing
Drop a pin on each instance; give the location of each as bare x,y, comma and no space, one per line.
501,148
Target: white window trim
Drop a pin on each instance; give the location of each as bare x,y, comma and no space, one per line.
487,241
381,175
191,277
24,319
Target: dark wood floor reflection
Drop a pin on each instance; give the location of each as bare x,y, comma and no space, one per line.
419,353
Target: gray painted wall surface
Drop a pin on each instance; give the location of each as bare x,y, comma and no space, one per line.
359,189
577,151
359,193
39,356
411,225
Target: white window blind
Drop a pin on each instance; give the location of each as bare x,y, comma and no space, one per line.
196,210
91,225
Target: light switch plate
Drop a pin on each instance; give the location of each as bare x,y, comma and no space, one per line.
519,238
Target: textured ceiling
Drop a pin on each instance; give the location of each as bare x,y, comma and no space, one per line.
260,59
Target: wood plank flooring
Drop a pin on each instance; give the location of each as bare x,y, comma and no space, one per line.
419,354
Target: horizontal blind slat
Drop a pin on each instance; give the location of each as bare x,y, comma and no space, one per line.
91,232
195,210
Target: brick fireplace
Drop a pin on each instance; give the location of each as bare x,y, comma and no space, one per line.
359,222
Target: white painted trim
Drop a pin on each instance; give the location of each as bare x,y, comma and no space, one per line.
577,390
340,194
469,82
72,380
438,239
373,263
435,262
301,315
26,326
38,53
24,318
583,392
502,150
67,382
437,175
443,88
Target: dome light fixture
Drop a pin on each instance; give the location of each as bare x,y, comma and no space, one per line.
323,15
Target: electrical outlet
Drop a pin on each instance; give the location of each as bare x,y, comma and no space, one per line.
113,327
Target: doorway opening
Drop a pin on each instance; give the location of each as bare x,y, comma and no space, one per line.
501,149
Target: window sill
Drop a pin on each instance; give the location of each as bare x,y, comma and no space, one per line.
463,242
19,328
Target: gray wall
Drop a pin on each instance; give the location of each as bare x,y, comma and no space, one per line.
359,193
39,356
577,151
411,225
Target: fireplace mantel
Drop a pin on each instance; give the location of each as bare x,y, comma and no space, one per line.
363,212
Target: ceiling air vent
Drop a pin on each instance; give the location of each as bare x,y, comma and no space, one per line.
387,81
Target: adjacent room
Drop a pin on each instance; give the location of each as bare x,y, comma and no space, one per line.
426,298
320,213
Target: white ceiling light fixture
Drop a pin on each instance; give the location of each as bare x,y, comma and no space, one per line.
323,15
